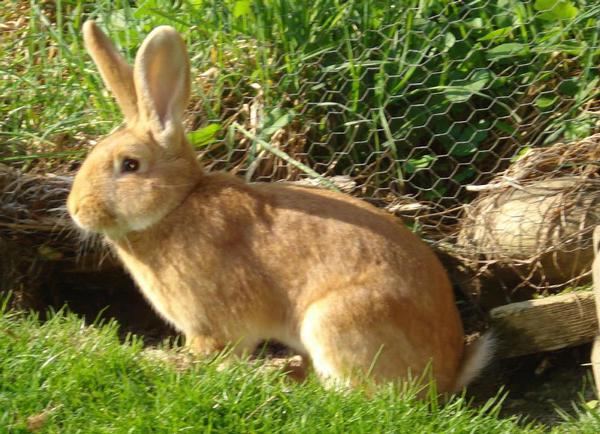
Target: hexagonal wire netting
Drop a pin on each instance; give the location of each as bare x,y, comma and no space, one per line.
420,109
447,113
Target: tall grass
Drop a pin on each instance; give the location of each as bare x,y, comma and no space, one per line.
412,96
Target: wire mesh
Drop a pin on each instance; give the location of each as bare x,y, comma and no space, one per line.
427,111
439,111
415,112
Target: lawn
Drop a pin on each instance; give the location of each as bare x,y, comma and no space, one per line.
61,376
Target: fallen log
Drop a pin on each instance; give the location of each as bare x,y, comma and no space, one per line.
545,324
529,230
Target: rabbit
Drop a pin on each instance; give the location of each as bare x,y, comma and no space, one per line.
228,262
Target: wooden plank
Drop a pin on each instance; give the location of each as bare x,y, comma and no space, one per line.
545,324
596,276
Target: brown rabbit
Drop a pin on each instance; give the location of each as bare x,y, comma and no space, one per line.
228,262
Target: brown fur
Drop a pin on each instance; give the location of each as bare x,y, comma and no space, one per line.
229,262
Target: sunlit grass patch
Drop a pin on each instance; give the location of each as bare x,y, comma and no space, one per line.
68,377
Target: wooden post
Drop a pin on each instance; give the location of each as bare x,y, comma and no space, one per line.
596,276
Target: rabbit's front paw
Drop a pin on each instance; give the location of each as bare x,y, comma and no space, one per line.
204,345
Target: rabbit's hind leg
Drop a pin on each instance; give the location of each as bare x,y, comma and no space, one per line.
350,340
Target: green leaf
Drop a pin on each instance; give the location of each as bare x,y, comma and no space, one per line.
449,41
463,149
569,87
275,121
457,94
437,193
415,164
522,152
497,34
510,49
462,92
505,127
556,9
242,8
464,174
544,102
575,48
475,23
204,136
476,135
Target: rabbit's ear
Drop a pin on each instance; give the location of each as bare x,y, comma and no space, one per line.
162,82
114,69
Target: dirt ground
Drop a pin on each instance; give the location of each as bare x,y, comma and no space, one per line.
540,387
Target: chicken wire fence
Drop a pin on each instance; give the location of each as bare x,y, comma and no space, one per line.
450,114
474,120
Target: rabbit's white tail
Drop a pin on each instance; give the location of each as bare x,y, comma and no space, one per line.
477,355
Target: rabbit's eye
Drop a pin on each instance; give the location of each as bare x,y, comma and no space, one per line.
130,165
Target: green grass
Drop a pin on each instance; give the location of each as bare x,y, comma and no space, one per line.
82,379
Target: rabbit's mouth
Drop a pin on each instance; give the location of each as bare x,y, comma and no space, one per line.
112,232
92,218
